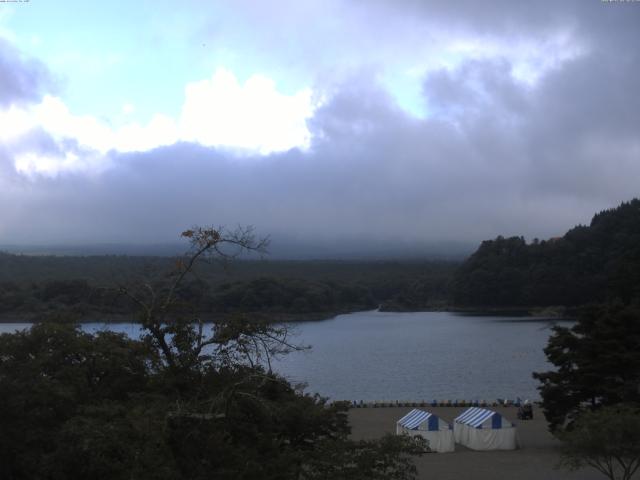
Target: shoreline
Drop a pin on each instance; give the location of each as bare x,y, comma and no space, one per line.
507,403
557,313
112,318
554,311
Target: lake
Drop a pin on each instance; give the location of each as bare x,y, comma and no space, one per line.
410,356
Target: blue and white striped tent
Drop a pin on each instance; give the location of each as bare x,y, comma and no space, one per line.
482,429
436,431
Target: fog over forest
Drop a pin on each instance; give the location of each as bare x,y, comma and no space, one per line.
340,127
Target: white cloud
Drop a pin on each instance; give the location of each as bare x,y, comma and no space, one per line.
14,121
31,163
133,137
56,119
219,112
254,116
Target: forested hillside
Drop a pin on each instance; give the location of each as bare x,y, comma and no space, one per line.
86,288
595,263
589,264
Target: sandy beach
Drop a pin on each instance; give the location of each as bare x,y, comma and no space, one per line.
535,460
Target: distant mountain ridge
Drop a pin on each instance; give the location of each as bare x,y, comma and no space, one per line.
595,263
279,249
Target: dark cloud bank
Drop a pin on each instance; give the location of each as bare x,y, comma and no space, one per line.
495,156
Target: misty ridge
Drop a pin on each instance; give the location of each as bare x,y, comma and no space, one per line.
595,263
278,249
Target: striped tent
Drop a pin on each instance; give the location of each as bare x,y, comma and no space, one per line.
437,432
482,429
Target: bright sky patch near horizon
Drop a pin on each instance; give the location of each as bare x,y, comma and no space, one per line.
318,121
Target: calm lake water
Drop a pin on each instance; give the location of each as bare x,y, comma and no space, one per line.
410,356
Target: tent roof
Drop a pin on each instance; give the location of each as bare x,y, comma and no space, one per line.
414,418
474,416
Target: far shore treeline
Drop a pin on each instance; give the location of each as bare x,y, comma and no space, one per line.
87,288
589,264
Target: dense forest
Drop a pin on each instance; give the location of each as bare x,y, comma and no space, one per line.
180,402
589,264
88,288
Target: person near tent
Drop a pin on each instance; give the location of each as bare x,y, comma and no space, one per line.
525,411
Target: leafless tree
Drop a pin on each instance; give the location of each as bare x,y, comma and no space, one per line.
184,342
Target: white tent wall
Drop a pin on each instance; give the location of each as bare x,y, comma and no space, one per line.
485,438
441,441
436,431
490,432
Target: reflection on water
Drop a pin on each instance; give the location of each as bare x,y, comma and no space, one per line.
409,356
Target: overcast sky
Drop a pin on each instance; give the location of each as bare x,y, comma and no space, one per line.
319,122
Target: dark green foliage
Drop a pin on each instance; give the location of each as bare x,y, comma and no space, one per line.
84,289
76,298
290,296
597,263
183,402
597,363
48,378
387,459
73,405
607,439
422,292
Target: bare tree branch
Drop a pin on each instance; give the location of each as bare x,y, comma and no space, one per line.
256,342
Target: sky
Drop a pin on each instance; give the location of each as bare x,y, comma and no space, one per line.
378,124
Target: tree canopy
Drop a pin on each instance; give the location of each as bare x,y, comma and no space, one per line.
595,263
597,363
38,288
182,402
607,439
